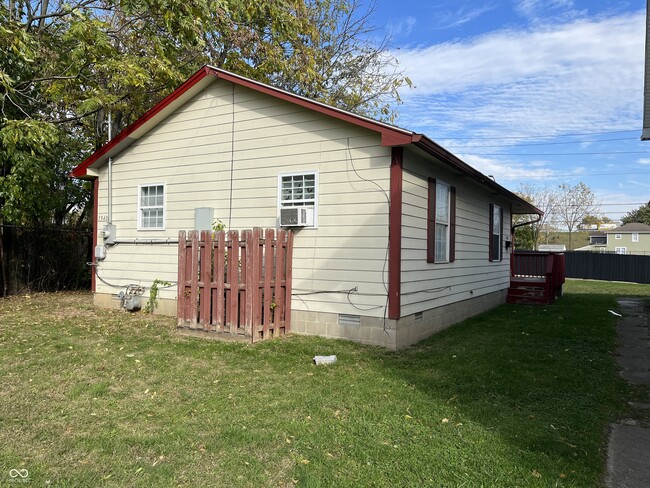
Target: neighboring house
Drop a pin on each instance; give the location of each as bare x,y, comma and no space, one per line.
631,238
401,238
597,242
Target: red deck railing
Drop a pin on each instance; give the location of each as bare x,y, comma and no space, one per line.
539,267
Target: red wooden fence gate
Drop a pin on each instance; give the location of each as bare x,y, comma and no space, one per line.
240,286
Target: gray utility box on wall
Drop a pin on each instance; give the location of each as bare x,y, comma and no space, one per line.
110,234
203,218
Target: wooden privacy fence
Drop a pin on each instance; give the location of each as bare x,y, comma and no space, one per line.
236,285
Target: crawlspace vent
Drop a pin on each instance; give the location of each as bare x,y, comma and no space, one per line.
345,319
418,315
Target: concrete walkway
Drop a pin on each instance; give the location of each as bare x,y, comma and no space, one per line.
628,451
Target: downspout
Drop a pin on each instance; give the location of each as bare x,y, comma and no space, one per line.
110,172
514,244
521,225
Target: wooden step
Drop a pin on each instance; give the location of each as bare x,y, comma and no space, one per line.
522,300
533,292
531,295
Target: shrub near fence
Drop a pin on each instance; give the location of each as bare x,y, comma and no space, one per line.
608,267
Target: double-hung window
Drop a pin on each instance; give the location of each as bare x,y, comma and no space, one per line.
635,237
151,207
496,232
299,191
441,222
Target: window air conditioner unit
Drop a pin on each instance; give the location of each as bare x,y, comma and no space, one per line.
296,216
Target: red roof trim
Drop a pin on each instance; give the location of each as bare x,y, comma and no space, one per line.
81,170
93,269
390,136
395,233
454,161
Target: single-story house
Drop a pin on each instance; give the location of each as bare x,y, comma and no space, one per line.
400,238
633,238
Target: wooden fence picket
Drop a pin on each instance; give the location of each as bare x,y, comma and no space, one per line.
235,283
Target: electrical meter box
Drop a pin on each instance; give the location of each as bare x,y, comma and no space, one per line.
203,218
110,232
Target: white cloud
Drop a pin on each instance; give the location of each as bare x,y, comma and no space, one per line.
580,76
507,170
463,15
615,204
639,184
403,27
532,8
643,161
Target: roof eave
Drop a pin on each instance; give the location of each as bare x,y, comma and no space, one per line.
390,135
431,147
138,128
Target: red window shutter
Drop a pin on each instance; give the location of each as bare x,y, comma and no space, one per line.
452,224
431,222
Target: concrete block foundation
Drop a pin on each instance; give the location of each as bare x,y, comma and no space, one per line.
392,334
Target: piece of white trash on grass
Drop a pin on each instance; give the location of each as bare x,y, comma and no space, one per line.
614,313
324,359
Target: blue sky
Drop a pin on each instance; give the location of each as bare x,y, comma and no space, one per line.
536,91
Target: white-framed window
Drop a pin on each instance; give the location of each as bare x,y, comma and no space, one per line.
635,237
151,206
621,250
617,236
299,190
441,222
496,232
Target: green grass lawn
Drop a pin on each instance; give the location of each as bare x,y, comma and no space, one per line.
520,396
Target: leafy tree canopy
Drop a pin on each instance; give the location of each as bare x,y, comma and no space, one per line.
640,215
65,65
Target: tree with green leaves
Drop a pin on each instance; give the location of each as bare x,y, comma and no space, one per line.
64,65
640,215
594,221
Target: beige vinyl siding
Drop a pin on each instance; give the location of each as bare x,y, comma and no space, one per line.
430,285
191,151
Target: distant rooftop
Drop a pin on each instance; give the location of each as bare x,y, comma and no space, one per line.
633,227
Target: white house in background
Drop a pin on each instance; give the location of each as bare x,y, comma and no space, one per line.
400,237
